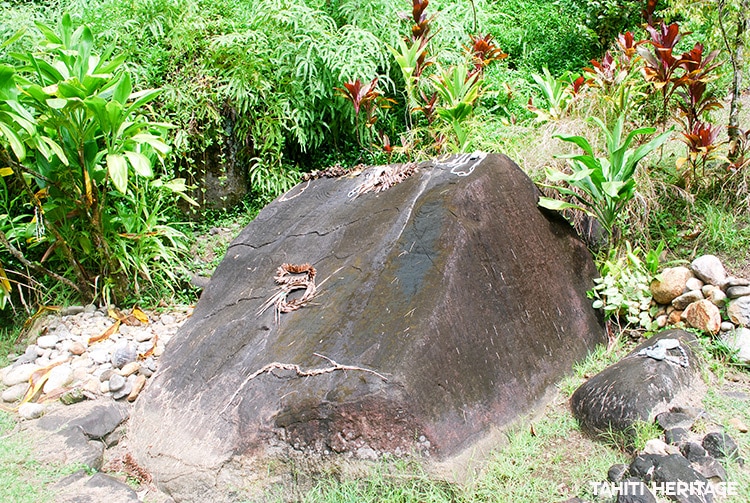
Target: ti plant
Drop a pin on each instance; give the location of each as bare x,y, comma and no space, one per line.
79,145
367,100
557,93
660,65
694,102
412,53
458,90
613,75
483,51
602,186
702,146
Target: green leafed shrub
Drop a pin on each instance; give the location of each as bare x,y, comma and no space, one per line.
81,154
603,185
622,292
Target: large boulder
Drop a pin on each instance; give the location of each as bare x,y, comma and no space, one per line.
446,306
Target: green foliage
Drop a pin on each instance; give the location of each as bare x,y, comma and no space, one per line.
602,356
623,292
403,482
81,153
604,185
723,230
556,92
458,89
608,18
538,34
634,438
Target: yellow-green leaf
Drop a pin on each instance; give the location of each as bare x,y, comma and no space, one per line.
6,171
118,171
141,164
4,283
15,142
140,315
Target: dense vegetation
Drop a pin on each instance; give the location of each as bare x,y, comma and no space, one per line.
115,115
113,112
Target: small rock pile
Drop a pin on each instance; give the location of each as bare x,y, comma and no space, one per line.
696,295
683,464
87,352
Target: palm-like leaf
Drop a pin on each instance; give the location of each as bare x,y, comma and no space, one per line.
604,184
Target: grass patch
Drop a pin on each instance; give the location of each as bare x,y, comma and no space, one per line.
536,465
733,401
23,478
399,482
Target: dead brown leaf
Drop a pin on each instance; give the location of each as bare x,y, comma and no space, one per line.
107,333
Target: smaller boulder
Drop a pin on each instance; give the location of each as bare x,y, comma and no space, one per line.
19,373
737,424
635,491
669,420
676,436
687,298
693,451
735,292
658,446
703,315
617,472
716,296
671,284
738,311
674,468
123,354
720,445
31,410
632,389
15,392
710,468
694,284
58,377
739,340
709,269
731,281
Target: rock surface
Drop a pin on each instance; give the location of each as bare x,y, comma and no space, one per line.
738,310
703,315
671,284
635,388
709,269
452,285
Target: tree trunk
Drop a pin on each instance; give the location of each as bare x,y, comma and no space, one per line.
737,57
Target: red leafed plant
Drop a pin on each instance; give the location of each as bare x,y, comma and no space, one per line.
577,85
428,106
606,70
421,22
660,64
361,95
695,99
628,44
484,51
702,145
367,98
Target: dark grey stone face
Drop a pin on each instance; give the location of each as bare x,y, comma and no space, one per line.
466,299
632,389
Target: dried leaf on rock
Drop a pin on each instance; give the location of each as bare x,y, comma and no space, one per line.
150,352
107,333
116,314
37,381
140,315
